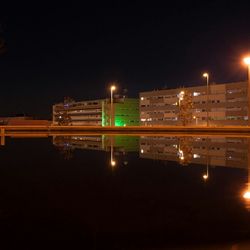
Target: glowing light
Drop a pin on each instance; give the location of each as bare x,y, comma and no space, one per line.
194,117
196,94
246,195
142,151
181,154
205,74
113,163
246,60
181,95
205,177
113,87
196,156
142,98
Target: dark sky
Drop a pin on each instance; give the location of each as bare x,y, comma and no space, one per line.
77,49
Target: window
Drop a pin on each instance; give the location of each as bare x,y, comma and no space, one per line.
196,93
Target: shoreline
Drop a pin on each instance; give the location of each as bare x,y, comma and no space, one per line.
126,130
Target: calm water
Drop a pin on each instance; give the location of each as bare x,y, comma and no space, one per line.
124,192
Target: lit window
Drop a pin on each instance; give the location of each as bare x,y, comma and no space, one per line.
196,93
196,156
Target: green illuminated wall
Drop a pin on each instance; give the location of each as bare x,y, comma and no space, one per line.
126,112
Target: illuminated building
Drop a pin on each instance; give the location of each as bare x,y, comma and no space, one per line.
227,105
98,112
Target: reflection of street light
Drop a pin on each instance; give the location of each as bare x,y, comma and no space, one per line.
112,88
246,60
205,177
113,163
112,160
206,75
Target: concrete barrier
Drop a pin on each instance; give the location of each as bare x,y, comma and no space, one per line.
128,130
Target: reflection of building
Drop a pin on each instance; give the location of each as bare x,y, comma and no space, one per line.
118,143
227,105
97,112
214,151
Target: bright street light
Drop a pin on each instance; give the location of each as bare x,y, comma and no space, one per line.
112,88
246,195
206,75
246,60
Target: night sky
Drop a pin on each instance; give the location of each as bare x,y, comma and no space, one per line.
53,51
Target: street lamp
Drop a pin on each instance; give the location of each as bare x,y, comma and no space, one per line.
196,121
112,89
246,60
246,196
206,75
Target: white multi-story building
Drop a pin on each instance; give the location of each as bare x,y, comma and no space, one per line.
224,104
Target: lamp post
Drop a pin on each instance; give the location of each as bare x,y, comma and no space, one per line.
196,121
112,88
246,60
206,75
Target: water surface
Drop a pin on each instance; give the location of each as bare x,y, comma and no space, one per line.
126,191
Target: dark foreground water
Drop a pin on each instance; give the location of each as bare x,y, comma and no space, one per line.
126,192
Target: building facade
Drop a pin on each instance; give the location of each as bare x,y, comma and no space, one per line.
222,104
125,112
